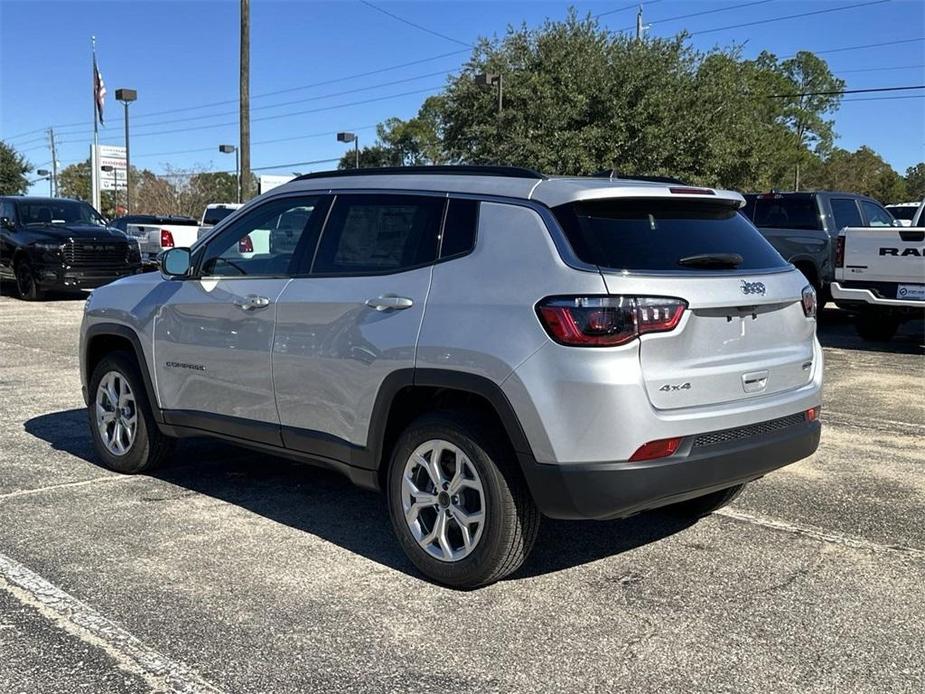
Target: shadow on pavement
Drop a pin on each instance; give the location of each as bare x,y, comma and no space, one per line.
836,329
323,503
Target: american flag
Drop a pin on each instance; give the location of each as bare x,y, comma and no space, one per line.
99,89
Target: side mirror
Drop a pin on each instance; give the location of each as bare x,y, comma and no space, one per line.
7,223
175,262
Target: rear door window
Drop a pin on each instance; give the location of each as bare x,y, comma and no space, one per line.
378,234
656,235
846,214
876,215
776,211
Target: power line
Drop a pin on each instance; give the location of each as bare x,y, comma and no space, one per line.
885,98
879,69
281,115
415,25
866,45
294,101
789,16
847,91
698,14
262,142
288,90
632,6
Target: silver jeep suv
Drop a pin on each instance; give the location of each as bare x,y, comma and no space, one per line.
483,344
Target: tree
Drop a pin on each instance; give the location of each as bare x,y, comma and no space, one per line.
578,99
13,171
862,171
915,181
813,93
412,142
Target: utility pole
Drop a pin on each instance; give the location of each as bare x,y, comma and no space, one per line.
54,162
640,27
245,117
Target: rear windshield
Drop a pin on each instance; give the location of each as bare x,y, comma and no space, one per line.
783,212
657,234
903,211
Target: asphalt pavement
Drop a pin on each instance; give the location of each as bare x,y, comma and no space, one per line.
233,571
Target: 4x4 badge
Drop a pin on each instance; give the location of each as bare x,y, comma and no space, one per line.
753,288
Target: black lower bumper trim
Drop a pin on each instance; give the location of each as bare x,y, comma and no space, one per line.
619,489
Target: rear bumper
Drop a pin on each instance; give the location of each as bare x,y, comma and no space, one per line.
618,489
861,298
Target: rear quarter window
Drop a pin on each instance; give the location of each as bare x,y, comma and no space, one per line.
785,212
656,234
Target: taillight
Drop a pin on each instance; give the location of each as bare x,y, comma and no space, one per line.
809,301
840,251
245,245
656,449
607,321
166,239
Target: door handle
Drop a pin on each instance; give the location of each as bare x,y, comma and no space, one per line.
384,303
252,302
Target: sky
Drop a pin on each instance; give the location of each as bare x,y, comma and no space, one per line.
322,67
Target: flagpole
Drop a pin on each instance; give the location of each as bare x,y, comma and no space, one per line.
94,164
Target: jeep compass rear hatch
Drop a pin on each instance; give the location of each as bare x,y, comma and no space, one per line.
744,328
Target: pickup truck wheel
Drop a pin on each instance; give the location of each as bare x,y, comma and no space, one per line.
701,506
124,432
458,502
873,327
25,282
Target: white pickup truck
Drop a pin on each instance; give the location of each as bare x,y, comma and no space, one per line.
159,233
214,213
880,276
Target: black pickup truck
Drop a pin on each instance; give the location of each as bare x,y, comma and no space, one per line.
803,227
56,243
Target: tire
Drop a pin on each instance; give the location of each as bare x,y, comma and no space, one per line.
876,328
510,519
145,447
701,506
26,287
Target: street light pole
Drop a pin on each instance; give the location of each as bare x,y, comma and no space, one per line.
228,149
355,139
127,96
47,174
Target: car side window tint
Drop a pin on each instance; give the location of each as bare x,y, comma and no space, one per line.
845,211
265,241
6,210
459,228
876,215
368,234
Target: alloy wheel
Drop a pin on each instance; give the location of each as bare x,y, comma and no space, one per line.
116,413
443,500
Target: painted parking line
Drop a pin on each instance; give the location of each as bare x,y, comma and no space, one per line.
65,485
822,535
80,620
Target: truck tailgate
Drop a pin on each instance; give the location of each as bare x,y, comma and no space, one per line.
893,255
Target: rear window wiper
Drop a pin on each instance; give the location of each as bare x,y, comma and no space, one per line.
712,260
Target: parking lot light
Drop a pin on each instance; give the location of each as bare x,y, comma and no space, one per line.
228,149
355,139
45,173
127,96
487,79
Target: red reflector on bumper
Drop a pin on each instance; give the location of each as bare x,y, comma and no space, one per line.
812,414
656,449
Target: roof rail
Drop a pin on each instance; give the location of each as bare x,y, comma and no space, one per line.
454,170
612,174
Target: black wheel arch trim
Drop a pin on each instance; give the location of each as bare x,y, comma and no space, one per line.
123,331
